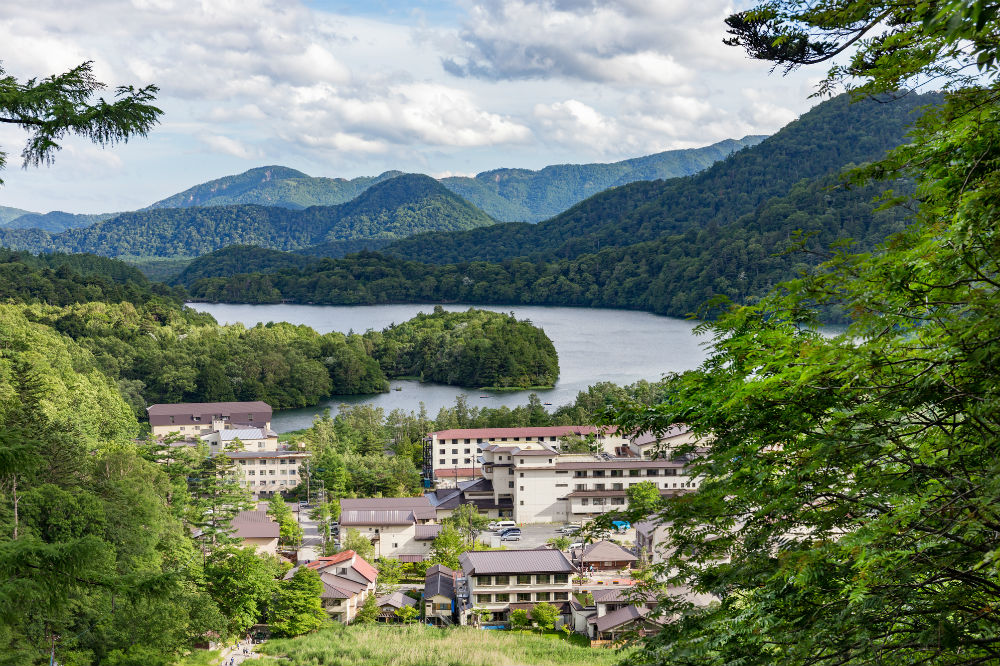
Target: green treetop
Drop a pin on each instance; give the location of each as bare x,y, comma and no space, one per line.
56,106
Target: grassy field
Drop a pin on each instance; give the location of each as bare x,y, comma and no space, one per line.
200,658
418,645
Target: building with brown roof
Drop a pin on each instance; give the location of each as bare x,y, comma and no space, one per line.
606,556
398,527
257,529
190,419
504,580
348,579
388,604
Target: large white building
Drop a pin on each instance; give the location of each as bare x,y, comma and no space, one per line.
399,527
451,456
190,419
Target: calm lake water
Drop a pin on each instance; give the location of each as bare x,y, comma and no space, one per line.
594,345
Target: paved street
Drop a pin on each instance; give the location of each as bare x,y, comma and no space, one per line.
312,540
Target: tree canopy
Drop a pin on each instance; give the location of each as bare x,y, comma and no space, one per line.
848,506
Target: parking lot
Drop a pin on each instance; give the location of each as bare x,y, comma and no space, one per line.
533,536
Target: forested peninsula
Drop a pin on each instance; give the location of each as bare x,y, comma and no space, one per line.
141,336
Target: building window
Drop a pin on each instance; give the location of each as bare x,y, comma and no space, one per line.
580,473
522,502
617,500
598,472
443,451
652,472
617,486
501,598
542,596
454,461
484,598
584,502
484,580
468,450
510,484
524,596
468,441
598,486
560,578
454,452
633,472
501,580
617,472
598,501
542,579
560,596
670,472
522,475
561,485
443,461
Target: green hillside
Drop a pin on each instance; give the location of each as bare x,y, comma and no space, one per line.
665,258
395,208
240,259
522,195
819,143
7,214
56,221
273,186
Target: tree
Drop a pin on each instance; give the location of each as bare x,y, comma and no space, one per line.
560,542
242,583
544,615
360,544
446,547
59,105
297,608
407,614
643,500
390,571
369,611
847,513
518,618
468,521
218,496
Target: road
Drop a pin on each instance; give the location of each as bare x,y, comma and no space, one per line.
312,540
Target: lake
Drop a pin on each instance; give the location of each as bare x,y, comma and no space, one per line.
594,345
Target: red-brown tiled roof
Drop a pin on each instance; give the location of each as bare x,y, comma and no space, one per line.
453,471
324,562
365,569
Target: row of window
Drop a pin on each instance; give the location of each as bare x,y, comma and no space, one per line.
454,452
599,473
285,472
454,461
522,579
502,439
264,461
504,598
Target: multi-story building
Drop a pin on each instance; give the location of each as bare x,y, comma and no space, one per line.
477,492
265,465
544,484
190,419
398,527
500,581
451,456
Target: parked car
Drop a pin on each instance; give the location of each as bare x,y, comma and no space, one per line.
569,529
510,530
511,536
574,546
501,525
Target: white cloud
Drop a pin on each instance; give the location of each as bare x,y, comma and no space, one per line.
229,146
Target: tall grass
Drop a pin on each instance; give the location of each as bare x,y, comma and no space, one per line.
418,645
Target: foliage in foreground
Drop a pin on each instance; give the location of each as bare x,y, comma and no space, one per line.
851,492
418,645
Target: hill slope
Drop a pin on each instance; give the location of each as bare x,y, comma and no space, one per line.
829,136
273,186
523,195
505,194
56,221
7,214
395,208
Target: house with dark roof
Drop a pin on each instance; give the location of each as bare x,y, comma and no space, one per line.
605,556
388,604
257,529
190,419
398,527
501,581
348,579
619,611
439,595
477,492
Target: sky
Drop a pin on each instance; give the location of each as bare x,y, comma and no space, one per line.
344,88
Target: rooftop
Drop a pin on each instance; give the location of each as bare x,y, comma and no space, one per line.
255,525
483,562
439,581
622,616
605,551
220,408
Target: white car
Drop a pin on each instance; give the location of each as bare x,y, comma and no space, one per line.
569,529
574,546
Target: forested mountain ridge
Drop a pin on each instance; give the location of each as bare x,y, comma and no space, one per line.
675,275
395,208
273,186
505,194
56,221
820,142
7,214
523,195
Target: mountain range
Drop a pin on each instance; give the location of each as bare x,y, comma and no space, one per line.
664,246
